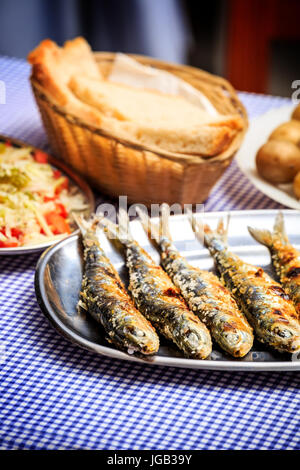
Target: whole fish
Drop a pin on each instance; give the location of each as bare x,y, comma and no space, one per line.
285,258
203,292
266,305
160,301
106,300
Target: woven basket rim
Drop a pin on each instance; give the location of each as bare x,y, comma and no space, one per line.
186,159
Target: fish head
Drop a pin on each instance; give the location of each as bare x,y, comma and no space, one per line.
237,342
141,340
197,342
286,336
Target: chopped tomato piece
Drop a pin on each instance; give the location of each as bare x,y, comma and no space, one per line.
64,185
16,233
8,143
57,223
8,244
16,240
40,157
61,210
49,198
56,174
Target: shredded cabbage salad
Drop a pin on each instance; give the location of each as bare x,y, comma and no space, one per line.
36,200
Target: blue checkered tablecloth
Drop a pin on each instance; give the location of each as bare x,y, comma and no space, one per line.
55,395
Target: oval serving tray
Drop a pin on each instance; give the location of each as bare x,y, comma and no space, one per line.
58,280
75,179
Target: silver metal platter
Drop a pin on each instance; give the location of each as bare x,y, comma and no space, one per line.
59,273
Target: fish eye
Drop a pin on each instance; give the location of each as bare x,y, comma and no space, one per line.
283,332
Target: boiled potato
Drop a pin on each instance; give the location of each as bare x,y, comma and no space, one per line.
278,161
296,113
289,131
296,186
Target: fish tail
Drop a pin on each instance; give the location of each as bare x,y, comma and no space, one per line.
164,222
124,228
121,231
151,229
267,238
222,229
197,226
85,225
261,236
81,223
215,239
110,228
279,226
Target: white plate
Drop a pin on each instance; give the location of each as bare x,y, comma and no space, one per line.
259,130
59,274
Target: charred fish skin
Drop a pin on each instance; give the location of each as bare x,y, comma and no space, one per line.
202,290
285,258
104,297
209,300
160,301
267,307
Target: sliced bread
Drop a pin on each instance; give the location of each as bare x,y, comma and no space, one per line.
53,67
155,119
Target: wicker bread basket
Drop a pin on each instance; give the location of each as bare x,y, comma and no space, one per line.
118,167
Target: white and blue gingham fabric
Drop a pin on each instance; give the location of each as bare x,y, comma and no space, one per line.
55,395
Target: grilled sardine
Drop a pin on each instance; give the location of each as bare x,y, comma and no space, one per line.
285,258
203,292
105,298
160,301
266,305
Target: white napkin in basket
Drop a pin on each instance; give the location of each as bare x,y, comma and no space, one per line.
130,72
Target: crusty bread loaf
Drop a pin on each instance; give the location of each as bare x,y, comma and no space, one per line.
70,75
53,66
155,119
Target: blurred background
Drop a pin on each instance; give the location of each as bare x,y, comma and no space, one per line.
253,43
